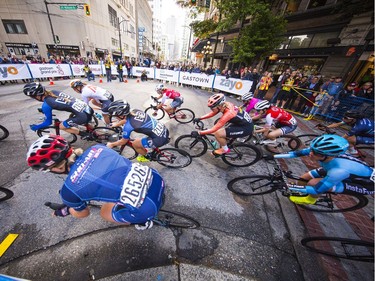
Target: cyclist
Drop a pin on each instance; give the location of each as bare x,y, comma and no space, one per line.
98,96
138,121
362,131
54,100
281,119
164,94
132,193
339,172
249,102
241,124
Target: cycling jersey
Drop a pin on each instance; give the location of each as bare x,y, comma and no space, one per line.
141,122
101,174
363,127
82,112
232,114
251,104
278,116
340,174
171,94
100,95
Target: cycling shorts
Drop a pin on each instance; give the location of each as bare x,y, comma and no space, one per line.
363,187
78,119
105,106
286,129
364,140
177,102
235,131
148,142
149,208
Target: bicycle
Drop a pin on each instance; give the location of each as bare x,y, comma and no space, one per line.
280,180
164,218
4,133
182,115
95,133
5,194
240,155
352,249
307,138
169,156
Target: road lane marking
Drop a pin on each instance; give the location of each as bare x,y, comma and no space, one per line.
7,242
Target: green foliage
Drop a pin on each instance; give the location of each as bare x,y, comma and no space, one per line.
203,29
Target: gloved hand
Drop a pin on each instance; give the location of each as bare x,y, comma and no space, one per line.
33,127
268,157
195,134
196,120
62,212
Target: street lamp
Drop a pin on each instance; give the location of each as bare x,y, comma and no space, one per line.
207,50
119,34
188,49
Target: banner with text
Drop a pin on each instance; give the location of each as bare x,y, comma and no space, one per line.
14,72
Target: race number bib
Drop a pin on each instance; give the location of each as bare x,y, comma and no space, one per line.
79,106
136,185
158,130
293,121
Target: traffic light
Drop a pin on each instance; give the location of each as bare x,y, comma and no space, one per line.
87,10
193,2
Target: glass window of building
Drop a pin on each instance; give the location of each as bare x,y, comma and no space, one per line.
320,39
300,41
316,3
112,16
15,26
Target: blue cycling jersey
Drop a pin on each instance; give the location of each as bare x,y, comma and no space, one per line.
335,172
363,127
101,174
141,122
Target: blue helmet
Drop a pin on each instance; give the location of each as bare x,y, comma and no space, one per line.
329,145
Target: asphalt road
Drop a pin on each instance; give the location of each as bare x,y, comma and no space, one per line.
239,239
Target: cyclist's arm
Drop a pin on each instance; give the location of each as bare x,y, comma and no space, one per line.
47,110
208,115
222,121
335,125
293,154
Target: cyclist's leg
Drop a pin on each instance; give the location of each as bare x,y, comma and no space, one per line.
141,144
69,126
274,134
176,103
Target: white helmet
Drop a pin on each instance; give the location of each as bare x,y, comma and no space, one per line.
247,96
260,105
159,87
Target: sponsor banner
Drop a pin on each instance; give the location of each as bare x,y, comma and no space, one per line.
166,74
50,70
231,85
14,72
196,79
137,71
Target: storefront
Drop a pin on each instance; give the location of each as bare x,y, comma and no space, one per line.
307,66
63,50
21,49
101,53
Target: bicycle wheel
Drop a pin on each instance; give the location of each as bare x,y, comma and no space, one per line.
242,155
252,185
4,133
351,249
284,144
184,115
128,151
194,146
104,135
157,114
337,203
306,139
5,194
71,138
174,219
173,157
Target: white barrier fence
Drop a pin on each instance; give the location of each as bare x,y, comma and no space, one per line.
32,71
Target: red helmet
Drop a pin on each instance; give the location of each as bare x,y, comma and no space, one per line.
48,151
215,100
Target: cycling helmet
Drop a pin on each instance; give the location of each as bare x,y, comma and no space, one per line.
75,83
261,105
159,88
33,89
215,100
247,96
48,151
353,114
329,145
119,108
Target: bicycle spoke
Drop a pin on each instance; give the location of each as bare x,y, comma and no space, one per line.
174,219
195,147
104,135
242,155
252,185
283,144
173,158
